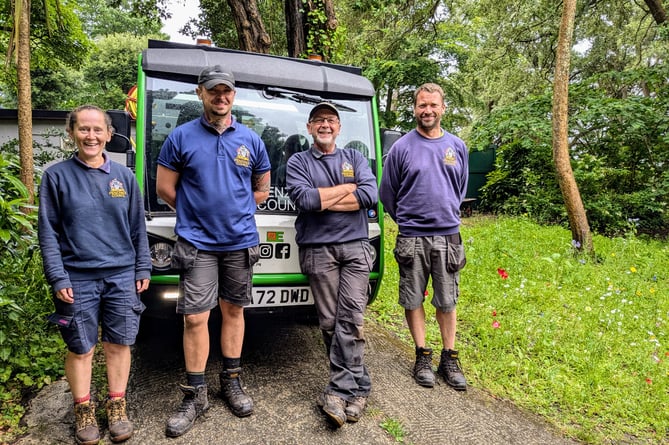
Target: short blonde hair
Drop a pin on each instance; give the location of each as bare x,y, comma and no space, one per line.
428,88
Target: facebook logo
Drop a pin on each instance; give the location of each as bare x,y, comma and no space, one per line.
282,251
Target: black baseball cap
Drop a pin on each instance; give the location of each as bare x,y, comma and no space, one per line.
321,106
211,76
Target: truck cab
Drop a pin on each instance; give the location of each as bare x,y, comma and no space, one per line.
273,98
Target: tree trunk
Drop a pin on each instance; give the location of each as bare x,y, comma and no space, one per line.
297,43
578,220
25,101
250,27
657,11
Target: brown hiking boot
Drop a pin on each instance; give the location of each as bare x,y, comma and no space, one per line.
355,408
86,430
232,392
120,428
334,407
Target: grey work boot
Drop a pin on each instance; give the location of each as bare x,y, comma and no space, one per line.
334,407
193,405
422,370
232,392
120,428
355,408
86,431
450,370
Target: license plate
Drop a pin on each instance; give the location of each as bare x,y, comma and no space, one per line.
281,296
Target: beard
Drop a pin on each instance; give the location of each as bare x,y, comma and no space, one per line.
428,123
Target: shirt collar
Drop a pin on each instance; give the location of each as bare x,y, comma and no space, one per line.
316,153
105,167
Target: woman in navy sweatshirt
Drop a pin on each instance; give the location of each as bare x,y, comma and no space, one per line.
96,258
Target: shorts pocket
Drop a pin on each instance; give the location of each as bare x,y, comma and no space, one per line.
456,257
405,249
254,255
184,255
63,321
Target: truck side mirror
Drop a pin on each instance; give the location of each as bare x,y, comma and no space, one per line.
120,141
388,138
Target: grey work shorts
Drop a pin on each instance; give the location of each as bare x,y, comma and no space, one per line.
418,258
206,276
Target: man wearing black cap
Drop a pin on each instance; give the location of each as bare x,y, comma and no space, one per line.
332,189
217,244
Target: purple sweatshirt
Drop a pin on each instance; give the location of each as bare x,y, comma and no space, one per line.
424,182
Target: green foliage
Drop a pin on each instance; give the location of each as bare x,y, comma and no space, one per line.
112,70
618,146
57,43
102,18
321,39
394,428
31,353
584,344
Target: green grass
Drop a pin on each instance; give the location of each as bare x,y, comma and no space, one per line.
582,343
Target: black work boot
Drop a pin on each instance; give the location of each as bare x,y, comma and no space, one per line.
450,370
193,405
86,430
120,428
422,370
232,392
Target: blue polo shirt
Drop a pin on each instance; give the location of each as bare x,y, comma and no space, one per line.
214,203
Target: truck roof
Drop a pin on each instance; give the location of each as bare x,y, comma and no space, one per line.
184,62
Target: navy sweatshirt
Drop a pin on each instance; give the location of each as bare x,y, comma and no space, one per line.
91,223
310,170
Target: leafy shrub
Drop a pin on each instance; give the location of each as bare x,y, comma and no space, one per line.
619,143
31,352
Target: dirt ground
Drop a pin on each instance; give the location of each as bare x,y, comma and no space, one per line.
284,371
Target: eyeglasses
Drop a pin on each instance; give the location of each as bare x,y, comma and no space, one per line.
321,120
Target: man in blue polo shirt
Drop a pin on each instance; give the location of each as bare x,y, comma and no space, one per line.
332,189
213,171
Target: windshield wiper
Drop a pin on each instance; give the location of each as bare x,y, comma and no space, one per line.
304,98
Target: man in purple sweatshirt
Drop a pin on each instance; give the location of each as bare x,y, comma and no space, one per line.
424,182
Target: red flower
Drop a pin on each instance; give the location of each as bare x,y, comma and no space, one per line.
494,313
502,273
649,380
495,324
426,293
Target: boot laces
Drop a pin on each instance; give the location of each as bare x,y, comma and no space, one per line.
423,361
85,416
116,410
452,365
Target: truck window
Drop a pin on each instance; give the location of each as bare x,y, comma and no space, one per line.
279,118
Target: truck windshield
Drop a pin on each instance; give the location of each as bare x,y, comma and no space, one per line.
278,116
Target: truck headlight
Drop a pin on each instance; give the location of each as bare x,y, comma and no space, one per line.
161,256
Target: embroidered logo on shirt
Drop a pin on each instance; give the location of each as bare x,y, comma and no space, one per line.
243,155
116,189
449,156
347,170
